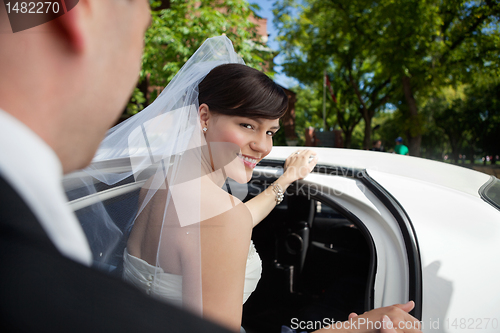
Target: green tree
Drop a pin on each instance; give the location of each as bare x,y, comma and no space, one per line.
178,30
322,37
347,106
483,109
309,111
468,116
395,51
430,43
450,116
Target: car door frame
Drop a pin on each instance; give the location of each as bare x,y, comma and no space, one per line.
415,280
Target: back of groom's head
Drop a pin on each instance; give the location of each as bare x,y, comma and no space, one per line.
69,79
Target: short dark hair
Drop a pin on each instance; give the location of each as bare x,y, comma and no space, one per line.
239,90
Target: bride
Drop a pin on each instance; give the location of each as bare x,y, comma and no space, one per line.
190,236
239,111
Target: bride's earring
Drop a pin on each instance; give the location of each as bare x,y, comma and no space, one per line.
205,129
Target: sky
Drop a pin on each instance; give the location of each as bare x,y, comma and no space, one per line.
267,12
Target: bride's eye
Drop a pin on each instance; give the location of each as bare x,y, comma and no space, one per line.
247,126
271,133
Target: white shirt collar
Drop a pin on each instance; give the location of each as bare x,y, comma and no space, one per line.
33,169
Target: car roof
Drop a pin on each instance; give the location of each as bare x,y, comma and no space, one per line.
439,173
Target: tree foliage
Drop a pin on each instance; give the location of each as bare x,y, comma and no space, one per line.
177,32
393,51
459,120
309,110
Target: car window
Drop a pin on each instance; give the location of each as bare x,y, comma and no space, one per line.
490,192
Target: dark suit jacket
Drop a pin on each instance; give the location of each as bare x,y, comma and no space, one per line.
43,291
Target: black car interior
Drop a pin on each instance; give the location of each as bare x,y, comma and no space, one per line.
315,265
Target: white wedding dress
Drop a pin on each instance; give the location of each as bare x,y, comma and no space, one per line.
169,286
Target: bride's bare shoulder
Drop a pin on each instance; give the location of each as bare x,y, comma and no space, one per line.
219,207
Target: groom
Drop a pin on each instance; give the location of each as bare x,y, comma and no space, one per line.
62,85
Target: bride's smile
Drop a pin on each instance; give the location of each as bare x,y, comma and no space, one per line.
249,161
253,137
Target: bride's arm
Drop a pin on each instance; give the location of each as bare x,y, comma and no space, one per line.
297,166
225,240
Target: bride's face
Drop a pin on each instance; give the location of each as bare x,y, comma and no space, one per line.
239,143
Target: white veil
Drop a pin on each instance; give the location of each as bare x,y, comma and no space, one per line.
135,175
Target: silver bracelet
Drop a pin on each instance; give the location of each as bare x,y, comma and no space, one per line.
279,193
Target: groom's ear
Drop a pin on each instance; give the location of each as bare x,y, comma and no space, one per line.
70,28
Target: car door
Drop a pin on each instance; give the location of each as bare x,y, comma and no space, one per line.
340,224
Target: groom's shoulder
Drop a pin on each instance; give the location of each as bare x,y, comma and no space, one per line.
17,220
43,291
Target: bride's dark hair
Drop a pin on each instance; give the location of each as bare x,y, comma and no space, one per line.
239,90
